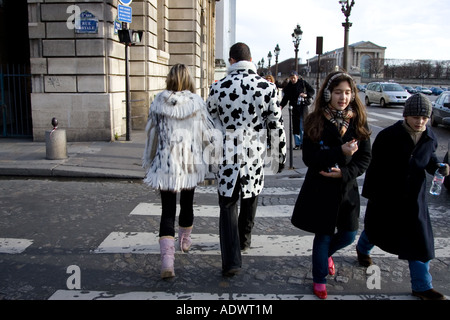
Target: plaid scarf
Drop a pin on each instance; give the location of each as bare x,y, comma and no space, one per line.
340,119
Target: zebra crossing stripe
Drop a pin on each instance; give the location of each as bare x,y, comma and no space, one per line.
154,209
262,245
384,116
14,245
195,296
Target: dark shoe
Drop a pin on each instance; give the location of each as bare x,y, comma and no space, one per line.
296,148
230,272
364,259
429,295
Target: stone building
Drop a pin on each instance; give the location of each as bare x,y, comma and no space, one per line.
362,58
77,64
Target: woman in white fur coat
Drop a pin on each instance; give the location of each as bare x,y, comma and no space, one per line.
178,132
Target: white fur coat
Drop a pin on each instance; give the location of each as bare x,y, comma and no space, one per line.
178,132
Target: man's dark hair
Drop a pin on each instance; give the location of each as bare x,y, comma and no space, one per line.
240,51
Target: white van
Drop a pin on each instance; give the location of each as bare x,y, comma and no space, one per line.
385,93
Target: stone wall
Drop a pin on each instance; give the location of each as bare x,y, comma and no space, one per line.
79,78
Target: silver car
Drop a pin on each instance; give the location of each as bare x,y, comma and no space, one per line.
385,93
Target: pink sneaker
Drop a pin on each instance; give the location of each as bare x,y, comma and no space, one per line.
331,267
320,290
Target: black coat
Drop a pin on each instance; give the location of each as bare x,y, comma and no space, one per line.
323,203
397,218
292,91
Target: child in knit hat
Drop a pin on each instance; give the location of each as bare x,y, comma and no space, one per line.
397,218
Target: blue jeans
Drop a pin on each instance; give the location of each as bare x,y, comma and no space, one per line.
298,138
420,271
325,246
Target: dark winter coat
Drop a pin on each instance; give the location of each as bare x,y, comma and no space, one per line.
324,203
397,218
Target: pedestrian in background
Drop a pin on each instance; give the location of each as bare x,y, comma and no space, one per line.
299,94
397,218
243,105
178,130
336,151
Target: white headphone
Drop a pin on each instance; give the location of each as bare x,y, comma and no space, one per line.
327,92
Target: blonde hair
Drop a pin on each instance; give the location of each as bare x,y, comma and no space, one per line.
179,79
270,78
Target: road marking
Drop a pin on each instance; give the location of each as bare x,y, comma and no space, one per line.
154,209
14,245
384,116
262,245
144,295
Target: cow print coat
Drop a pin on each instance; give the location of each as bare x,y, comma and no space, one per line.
244,107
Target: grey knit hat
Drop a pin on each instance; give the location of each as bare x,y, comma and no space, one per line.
417,105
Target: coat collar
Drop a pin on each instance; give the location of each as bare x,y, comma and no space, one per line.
176,104
242,66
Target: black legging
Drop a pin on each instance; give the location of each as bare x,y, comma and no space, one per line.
169,210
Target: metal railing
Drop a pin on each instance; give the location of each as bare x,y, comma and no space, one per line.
15,105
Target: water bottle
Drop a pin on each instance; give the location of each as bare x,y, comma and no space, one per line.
438,180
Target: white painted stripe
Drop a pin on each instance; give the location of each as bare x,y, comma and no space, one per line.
143,295
371,119
14,245
396,113
266,191
153,209
383,116
262,245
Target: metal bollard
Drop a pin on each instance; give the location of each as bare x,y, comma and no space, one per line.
55,142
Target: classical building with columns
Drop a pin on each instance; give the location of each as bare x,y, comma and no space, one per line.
76,63
363,58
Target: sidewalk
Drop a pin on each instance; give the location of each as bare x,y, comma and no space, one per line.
99,159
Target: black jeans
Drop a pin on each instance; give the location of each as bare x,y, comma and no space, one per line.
235,231
169,210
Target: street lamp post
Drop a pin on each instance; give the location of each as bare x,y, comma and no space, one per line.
346,10
269,56
296,37
277,53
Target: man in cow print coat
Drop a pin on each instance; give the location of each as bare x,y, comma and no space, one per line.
244,107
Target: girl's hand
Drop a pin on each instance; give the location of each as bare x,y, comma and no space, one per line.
350,147
335,173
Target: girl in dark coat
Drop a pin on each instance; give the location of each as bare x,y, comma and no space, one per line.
397,218
336,151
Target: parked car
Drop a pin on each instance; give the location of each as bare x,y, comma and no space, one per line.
410,89
385,93
423,90
447,158
436,91
441,109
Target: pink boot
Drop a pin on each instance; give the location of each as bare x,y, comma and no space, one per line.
184,238
167,247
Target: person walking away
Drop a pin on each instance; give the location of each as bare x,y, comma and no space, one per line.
336,151
299,94
397,218
244,106
178,131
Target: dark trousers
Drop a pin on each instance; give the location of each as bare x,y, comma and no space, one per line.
235,230
169,210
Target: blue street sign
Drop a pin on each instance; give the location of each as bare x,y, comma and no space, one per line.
124,13
126,2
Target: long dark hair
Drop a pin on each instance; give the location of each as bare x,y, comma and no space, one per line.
314,122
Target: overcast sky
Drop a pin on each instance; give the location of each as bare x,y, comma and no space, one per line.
409,29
